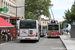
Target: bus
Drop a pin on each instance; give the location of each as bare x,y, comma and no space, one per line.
53,30
28,30
42,30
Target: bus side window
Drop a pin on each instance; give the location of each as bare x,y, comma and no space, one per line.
38,27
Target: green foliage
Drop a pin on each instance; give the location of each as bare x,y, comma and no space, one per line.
35,8
70,15
63,23
67,16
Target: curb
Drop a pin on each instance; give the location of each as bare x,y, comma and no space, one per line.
63,43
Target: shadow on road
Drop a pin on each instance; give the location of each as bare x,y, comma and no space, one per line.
53,37
28,41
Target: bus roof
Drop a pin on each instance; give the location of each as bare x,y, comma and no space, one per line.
52,24
28,20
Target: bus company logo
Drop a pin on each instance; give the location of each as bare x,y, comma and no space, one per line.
23,32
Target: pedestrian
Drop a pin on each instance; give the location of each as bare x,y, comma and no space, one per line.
3,37
9,36
67,31
6,36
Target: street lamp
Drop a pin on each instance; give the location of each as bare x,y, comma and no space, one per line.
16,18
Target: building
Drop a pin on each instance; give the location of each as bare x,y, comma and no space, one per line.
21,10
44,22
8,3
10,16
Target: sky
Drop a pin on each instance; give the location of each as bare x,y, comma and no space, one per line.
59,7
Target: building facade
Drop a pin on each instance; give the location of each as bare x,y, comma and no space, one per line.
10,16
21,10
44,22
11,10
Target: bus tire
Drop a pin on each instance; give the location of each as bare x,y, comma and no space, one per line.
37,40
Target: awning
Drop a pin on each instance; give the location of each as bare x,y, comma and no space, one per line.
4,17
14,17
5,24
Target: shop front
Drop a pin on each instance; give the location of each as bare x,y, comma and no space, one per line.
5,28
13,22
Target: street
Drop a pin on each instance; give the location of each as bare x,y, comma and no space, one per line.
44,44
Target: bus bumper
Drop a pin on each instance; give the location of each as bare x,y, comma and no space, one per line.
53,36
28,38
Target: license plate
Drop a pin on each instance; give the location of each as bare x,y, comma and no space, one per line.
27,38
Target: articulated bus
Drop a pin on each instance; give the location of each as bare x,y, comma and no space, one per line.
42,30
53,30
28,30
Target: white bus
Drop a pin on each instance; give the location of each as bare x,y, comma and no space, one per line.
28,30
42,30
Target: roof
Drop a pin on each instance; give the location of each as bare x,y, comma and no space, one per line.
5,24
42,19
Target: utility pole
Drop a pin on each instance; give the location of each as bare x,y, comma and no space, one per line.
50,18
52,13
16,24
16,19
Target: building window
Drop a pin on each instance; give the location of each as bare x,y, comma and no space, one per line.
13,21
43,22
2,0
13,1
47,22
2,4
6,4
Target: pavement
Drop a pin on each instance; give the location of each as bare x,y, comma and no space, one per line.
68,41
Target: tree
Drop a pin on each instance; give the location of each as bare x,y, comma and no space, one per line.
70,14
67,16
36,8
62,23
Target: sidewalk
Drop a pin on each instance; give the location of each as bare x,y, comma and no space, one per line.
4,43
68,41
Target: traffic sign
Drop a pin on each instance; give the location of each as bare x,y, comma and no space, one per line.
5,9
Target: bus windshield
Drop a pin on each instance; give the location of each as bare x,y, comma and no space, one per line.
28,24
53,27
44,27
40,28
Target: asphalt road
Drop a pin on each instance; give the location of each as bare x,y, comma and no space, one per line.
43,44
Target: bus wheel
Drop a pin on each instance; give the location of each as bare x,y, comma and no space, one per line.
37,40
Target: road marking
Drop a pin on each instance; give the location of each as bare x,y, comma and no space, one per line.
57,48
53,47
